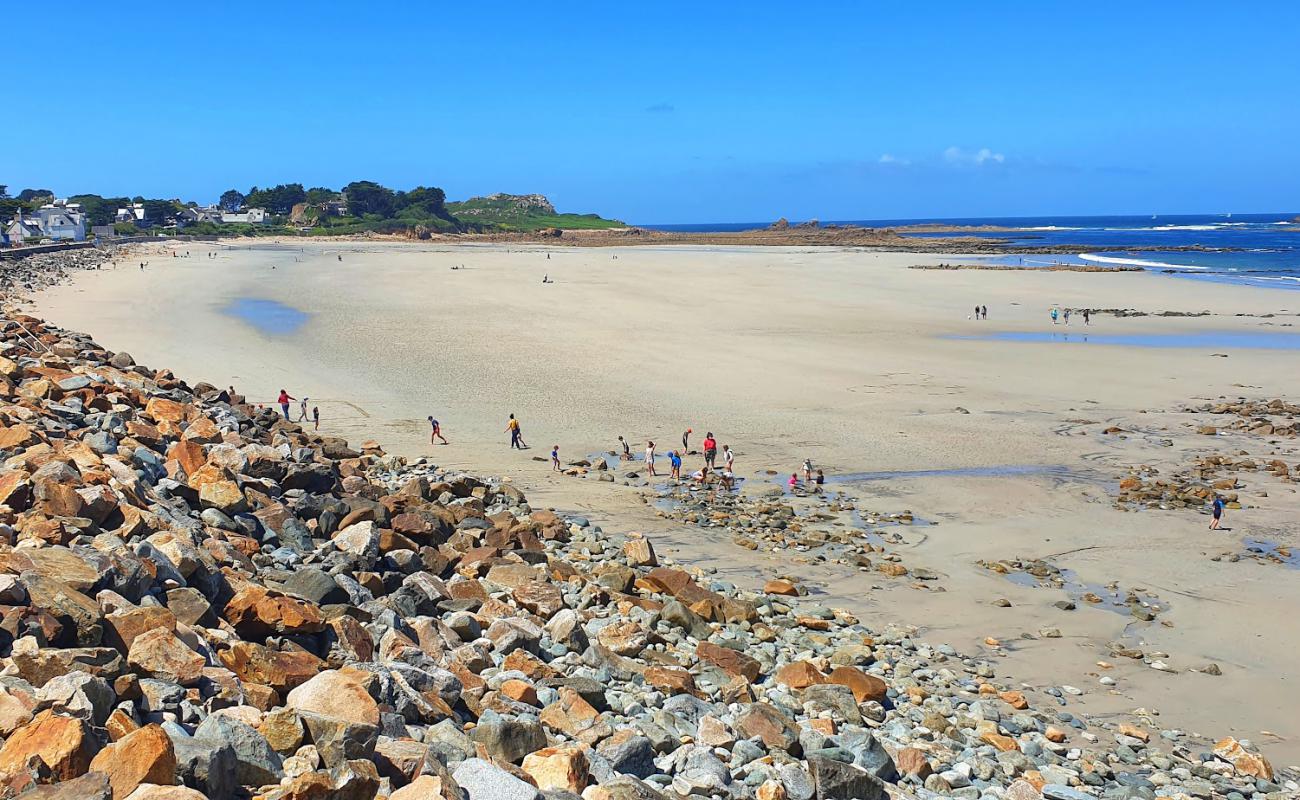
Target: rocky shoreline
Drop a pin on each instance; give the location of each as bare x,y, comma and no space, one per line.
200,599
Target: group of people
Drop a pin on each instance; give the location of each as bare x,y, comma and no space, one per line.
707,473
1058,313
813,479
303,416
981,312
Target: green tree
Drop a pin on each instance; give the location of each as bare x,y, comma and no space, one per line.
231,200
156,212
319,194
278,200
368,197
99,210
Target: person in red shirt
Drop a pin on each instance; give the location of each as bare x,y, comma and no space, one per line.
710,449
285,397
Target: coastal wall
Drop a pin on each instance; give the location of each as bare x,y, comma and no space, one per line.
20,252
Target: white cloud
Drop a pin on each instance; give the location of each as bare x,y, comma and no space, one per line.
956,155
889,158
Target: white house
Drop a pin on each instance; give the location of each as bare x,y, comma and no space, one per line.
254,216
21,229
191,215
133,214
60,221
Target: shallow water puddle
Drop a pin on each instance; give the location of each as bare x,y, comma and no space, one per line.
1118,600
267,316
1007,471
1272,552
1207,339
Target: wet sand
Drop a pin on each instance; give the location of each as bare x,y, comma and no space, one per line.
841,356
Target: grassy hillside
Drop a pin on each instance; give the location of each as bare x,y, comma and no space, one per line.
523,212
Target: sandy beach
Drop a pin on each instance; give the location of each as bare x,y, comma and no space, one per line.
841,356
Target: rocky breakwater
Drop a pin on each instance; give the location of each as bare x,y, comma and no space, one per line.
199,600
39,270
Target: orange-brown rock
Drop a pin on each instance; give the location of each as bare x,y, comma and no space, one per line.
188,454
281,671
1000,742
729,661
520,691
143,756
336,694
122,627
782,587
256,612
158,653
673,680
570,714
1126,729
119,724
800,675
558,768
1242,760
63,745
911,761
865,687
1014,699
160,409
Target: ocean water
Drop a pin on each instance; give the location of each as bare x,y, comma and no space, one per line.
1258,249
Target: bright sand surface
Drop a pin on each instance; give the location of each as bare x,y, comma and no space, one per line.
841,356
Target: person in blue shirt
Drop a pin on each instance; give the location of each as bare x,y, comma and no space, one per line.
1217,510
675,459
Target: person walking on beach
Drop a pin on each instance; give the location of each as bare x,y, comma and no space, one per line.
650,458
807,470
1216,509
436,433
555,459
686,441
516,440
984,311
675,464
627,451
1054,313
1067,316
315,417
285,397
728,459
302,410
1087,317
710,449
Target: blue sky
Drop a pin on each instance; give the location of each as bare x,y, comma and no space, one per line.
675,112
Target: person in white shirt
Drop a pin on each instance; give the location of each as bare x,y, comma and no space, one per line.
650,458
728,460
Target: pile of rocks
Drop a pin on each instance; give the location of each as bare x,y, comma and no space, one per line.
1196,485
1259,417
39,270
202,600
822,529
